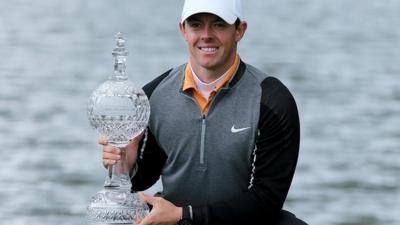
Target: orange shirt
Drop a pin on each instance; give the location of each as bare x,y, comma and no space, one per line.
189,84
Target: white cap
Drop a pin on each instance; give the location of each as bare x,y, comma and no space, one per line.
228,10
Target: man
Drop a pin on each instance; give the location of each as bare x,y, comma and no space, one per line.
223,135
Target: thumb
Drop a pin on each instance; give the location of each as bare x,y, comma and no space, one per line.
103,140
138,138
147,198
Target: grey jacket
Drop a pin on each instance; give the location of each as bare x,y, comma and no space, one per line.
239,159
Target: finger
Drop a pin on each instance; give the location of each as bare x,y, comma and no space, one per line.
111,156
138,138
144,221
147,198
108,162
111,149
148,219
138,221
103,141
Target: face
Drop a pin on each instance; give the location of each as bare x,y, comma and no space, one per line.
211,41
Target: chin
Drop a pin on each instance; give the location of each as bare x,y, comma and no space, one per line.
208,65
208,62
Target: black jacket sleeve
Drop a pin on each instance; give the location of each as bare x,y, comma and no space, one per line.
275,158
150,161
149,164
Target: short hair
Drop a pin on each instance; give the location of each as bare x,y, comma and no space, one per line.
237,23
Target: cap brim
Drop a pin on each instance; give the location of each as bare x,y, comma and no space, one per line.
227,17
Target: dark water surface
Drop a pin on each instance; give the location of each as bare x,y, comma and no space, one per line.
339,58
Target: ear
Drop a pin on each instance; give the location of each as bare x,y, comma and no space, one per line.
241,30
182,29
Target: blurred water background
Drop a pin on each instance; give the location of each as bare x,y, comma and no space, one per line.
340,59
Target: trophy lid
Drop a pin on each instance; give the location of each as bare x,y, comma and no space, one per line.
119,49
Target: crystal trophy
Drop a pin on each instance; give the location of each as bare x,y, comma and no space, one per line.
120,112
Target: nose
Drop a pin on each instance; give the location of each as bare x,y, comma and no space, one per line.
206,33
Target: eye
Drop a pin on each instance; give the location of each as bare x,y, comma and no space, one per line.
194,24
220,24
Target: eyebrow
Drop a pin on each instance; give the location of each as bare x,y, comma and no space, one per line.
195,18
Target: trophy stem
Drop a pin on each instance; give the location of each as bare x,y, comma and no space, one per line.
115,204
118,174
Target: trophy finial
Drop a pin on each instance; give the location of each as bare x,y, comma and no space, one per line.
119,38
119,49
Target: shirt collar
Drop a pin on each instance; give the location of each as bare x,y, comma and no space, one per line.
189,82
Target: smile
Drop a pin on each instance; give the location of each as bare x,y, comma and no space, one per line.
208,50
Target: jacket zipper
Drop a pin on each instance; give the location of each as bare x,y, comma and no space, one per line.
203,130
202,140
203,127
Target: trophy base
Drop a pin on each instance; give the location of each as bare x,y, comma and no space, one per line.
116,206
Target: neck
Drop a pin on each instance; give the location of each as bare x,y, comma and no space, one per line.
208,75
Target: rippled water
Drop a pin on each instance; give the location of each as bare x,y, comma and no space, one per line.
339,58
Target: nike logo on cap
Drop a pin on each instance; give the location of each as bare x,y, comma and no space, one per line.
237,130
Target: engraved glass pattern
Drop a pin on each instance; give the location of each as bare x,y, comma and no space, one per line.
120,112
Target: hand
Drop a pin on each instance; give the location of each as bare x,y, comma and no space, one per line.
162,213
112,154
